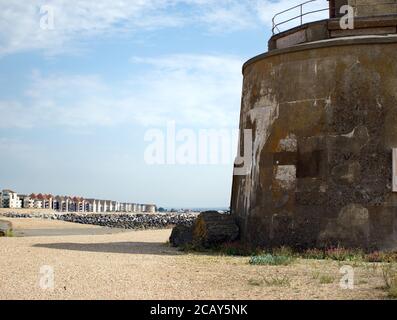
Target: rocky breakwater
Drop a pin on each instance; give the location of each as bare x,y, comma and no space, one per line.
131,221
124,221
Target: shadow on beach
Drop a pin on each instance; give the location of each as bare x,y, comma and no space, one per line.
115,247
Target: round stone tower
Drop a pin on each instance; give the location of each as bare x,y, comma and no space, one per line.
322,107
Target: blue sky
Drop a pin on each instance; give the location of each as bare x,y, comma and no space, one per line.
77,100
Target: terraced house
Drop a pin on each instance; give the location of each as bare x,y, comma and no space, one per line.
10,199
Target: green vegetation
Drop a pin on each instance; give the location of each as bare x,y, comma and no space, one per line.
284,251
342,254
323,278
275,281
271,260
389,273
237,249
392,292
386,257
189,247
316,254
255,282
316,275
326,279
7,233
285,255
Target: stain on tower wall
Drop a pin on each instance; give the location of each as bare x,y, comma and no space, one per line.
324,124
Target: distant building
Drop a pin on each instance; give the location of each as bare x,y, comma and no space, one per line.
46,200
61,204
40,201
10,199
26,201
90,205
150,208
115,206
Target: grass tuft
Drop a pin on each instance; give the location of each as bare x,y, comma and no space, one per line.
189,247
7,233
378,256
237,249
316,254
271,260
255,282
389,274
275,281
326,279
342,254
284,251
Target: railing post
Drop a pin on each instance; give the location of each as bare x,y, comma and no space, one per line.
301,14
273,25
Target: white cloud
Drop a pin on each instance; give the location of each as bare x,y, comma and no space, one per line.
14,114
73,20
190,89
77,20
228,16
201,89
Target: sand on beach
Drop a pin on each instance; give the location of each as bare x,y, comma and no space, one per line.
91,262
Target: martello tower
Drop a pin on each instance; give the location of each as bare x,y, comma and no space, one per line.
322,106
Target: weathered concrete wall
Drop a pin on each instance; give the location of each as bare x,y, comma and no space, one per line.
308,32
366,8
324,122
330,28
